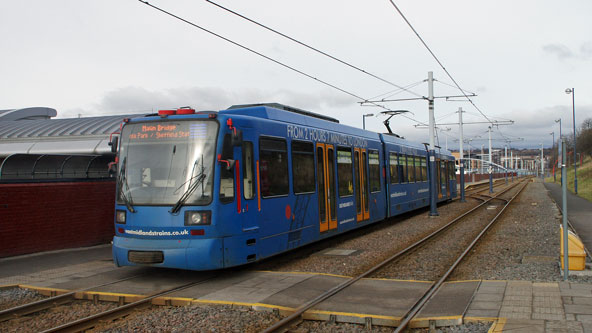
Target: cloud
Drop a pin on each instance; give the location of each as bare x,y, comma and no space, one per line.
133,99
586,50
561,51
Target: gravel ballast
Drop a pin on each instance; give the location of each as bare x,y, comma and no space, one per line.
13,297
55,316
193,318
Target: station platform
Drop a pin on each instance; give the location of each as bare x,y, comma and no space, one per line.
511,305
579,212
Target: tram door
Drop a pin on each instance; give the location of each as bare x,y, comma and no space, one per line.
449,173
362,209
326,187
248,203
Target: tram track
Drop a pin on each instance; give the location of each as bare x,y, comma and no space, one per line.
436,286
53,301
296,317
67,307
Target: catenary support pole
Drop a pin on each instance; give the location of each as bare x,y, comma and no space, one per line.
432,152
542,165
461,162
506,162
573,103
490,168
512,163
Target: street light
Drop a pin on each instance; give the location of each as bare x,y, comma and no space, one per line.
559,121
553,153
364,119
572,91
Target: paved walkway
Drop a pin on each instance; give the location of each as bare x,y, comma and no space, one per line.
579,212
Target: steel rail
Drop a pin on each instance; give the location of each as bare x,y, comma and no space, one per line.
50,302
435,287
118,312
286,322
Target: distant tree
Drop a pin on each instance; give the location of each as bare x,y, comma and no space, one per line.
587,124
585,137
585,142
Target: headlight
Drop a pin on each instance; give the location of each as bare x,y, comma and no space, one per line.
120,216
197,218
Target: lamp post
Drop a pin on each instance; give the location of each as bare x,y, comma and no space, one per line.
542,164
560,136
553,153
364,119
572,91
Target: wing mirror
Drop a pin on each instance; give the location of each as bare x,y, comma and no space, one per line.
113,143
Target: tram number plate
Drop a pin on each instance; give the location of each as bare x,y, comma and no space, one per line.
145,257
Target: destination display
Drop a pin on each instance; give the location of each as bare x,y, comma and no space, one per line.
167,131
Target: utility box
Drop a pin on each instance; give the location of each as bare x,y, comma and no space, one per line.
576,252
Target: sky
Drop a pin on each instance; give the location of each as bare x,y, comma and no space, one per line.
104,57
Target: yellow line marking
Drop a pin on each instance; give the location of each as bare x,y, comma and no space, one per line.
437,318
498,326
186,299
111,294
263,305
350,314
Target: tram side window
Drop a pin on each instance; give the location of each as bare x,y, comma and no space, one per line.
345,172
424,169
394,168
273,168
226,174
403,168
374,170
417,168
248,178
303,174
410,169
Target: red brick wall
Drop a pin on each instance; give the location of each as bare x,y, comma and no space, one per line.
50,216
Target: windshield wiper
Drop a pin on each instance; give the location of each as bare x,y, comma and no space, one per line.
122,180
199,179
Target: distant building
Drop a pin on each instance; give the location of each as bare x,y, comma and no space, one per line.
33,131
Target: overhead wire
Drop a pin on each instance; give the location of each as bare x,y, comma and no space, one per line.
439,62
450,85
312,48
274,60
396,91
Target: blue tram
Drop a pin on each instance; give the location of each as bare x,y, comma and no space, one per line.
209,190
